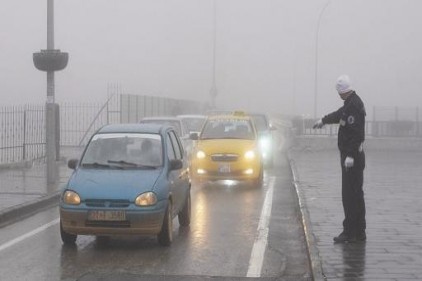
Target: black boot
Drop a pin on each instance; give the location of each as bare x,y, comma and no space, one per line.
345,237
361,236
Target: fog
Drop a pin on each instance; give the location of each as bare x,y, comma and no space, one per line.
265,51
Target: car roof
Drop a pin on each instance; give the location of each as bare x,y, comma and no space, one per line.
192,116
172,118
229,116
133,128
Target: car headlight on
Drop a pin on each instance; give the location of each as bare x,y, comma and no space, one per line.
200,154
71,198
265,143
250,154
146,199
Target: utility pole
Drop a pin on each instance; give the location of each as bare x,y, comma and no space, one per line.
316,58
213,91
51,60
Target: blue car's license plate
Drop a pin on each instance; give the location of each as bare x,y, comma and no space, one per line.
106,215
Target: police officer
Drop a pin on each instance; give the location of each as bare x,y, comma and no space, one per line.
351,135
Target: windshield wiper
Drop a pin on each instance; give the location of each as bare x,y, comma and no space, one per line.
123,162
95,165
131,164
147,166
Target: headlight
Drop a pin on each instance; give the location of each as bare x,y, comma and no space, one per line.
200,154
265,143
71,197
250,154
146,199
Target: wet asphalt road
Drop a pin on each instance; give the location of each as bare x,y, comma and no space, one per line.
216,246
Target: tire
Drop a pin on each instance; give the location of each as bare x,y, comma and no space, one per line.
165,237
67,238
185,214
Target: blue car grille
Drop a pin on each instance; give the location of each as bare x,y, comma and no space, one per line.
224,157
107,203
116,224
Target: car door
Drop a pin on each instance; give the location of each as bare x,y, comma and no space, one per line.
179,179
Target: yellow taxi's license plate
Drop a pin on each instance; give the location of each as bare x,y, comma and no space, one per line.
224,168
107,215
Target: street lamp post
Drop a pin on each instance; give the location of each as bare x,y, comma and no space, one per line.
316,57
213,90
51,60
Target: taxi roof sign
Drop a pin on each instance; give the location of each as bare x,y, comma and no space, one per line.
239,113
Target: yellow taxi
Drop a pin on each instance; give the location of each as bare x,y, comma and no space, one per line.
227,148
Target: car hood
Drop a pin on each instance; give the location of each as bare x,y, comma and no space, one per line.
236,146
112,184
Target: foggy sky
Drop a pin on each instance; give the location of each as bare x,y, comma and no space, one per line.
265,51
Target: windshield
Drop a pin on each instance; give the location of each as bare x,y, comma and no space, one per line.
128,150
228,129
194,124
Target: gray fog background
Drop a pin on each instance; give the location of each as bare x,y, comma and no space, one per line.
265,56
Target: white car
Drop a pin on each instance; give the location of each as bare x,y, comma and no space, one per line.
193,122
177,124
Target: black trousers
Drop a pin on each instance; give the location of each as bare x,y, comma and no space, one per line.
353,195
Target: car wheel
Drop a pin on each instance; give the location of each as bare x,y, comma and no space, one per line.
67,238
165,237
185,213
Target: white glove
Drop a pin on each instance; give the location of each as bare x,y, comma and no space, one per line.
318,124
349,162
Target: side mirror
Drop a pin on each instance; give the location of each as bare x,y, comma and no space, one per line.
72,163
194,136
176,164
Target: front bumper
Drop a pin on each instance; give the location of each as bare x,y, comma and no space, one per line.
215,171
138,221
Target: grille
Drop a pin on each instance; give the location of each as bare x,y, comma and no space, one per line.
116,224
224,157
107,203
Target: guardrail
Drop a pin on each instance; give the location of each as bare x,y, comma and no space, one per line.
395,128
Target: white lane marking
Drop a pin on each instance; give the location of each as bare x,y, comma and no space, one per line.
261,239
27,235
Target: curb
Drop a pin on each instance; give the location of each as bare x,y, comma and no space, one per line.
313,253
27,209
16,165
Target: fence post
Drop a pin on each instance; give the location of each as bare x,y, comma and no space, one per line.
417,121
24,135
374,122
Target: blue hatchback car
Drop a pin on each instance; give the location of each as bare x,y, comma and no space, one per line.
131,179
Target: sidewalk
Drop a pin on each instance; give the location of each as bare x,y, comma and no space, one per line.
24,191
392,187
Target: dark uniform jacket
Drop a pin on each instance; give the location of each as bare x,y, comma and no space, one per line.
351,118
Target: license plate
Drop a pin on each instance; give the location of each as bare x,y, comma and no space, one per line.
107,215
224,168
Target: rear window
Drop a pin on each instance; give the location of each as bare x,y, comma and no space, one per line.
173,123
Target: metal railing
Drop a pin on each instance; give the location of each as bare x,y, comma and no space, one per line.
22,134
22,128
393,128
